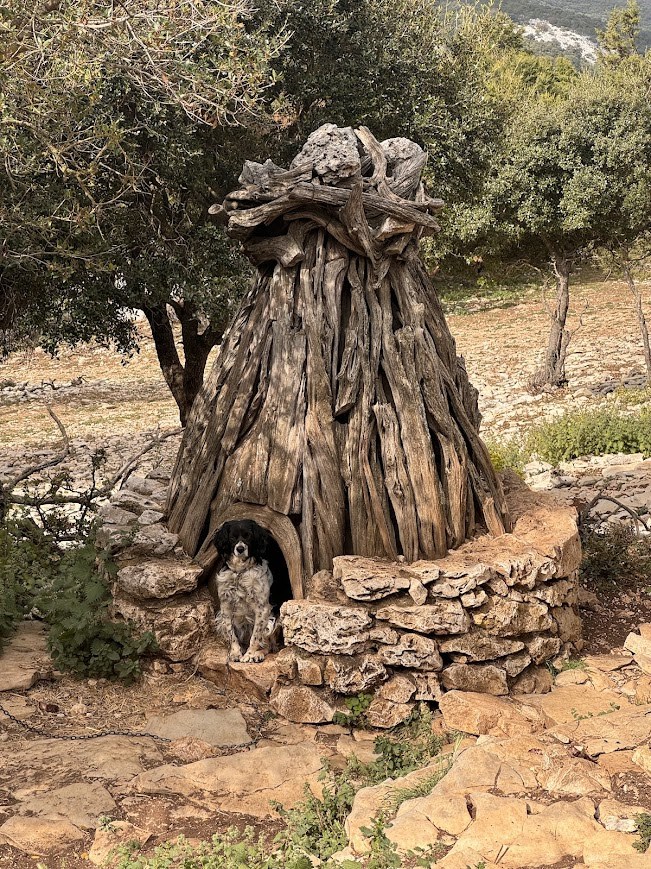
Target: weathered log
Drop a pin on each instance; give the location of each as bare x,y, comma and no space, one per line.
337,401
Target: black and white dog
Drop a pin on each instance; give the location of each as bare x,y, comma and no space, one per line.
243,587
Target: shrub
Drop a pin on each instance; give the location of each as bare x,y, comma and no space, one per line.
591,433
58,579
507,454
615,558
644,831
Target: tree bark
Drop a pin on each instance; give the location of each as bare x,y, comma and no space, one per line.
338,400
641,319
184,379
553,372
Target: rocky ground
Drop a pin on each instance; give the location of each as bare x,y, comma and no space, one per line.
552,779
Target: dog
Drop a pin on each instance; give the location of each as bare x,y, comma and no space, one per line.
243,587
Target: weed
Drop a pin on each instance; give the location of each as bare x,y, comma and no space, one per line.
507,454
357,707
615,559
573,664
643,821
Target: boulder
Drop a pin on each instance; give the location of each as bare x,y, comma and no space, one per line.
483,678
41,836
81,804
481,647
442,617
220,727
179,624
301,704
509,618
325,628
533,680
412,650
353,674
158,578
482,714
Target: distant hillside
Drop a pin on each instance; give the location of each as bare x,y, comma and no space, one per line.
582,16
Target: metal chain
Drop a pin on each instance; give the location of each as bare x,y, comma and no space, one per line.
39,732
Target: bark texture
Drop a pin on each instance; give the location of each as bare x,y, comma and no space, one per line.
338,399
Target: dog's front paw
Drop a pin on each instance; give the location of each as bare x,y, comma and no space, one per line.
253,657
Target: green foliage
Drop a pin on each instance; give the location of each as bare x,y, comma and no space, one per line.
619,38
63,584
643,821
591,433
507,454
615,559
356,716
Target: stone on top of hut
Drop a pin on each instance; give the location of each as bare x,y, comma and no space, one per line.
338,414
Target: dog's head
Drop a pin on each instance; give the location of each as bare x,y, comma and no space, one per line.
242,539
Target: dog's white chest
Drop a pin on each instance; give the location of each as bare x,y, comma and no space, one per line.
245,591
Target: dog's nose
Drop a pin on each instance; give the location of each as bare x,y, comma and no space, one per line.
240,548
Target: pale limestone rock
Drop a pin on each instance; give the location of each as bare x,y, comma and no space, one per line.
158,578
617,762
220,727
428,686
449,814
413,650
250,680
352,675
324,628
417,591
309,671
287,663
362,750
471,712
575,776
574,702
25,659
411,830
638,644
472,599
179,624
623,729
41,836
301,704
484,678
384,634
552,530
443,617
481,647
642,758
150,517
150,541
533,680
370,578
515,664
510,618
571,677
245,782
563,591
569,624
618,817
112,515
371,801
112,836
81,804
603,846
386,714
399,689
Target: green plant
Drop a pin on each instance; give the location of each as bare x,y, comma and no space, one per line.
507,454
573,664
615,559
83,639
591,433
643,821
357,707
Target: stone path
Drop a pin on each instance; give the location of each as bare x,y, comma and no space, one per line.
535,780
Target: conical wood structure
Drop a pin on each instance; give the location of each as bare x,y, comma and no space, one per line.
337,413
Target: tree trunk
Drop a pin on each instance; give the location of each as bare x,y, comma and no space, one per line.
641,319
337,400
553,372
184,380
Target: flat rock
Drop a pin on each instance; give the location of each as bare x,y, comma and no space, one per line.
352,675
221,727
386,714
24,658
41,836
482,678
112,836
301,704
108,758
510,618
246,782
481,647
253,681
399,689
442,617
568,703
159,577
324,628
481,714
449,814
411,830
81,804
618,730
619,817
412,650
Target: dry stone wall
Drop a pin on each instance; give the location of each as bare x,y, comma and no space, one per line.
485,618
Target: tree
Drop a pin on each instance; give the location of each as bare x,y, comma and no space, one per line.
619,38
114,123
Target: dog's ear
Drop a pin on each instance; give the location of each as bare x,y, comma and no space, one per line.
222,538
259,542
